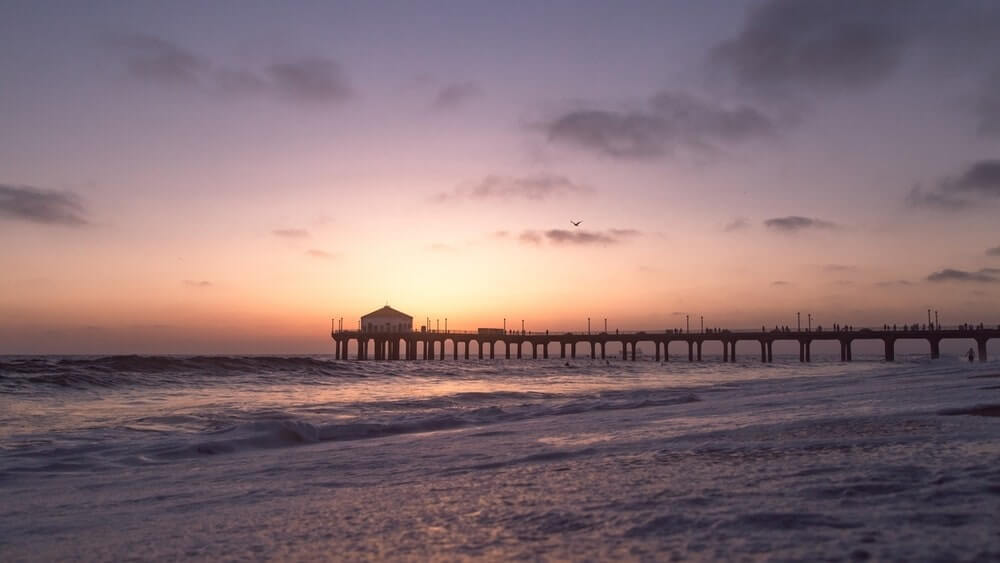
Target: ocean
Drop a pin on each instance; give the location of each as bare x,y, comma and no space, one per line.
308,458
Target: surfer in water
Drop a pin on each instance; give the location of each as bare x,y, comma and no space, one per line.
971,355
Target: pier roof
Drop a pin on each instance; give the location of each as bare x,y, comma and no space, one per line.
387,310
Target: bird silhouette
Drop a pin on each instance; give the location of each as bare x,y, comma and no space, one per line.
575,223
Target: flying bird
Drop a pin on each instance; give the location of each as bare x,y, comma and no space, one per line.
575,223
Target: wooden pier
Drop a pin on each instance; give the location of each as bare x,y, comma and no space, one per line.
513,344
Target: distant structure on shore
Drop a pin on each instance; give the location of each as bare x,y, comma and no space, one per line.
387,320
387,334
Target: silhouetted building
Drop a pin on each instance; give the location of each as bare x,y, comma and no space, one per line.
387,319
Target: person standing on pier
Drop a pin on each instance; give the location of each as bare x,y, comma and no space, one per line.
972,355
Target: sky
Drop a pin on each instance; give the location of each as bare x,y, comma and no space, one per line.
227,177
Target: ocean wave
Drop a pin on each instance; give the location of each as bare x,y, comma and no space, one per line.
284,431
111,371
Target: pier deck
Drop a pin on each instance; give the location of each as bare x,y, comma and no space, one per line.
431,345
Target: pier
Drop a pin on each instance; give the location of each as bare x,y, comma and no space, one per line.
430,345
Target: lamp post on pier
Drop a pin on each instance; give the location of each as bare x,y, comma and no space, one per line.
928,318
687,324
703,324
798,322
446,324
522,326
936,325
605,325
588,325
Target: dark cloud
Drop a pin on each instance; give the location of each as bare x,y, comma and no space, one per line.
817,44
995,251
321,254
290,233
737,224
157,60
982,178
453,96
790,47
199,284
671,121
310,80
26,203
795,223
986,275
979,181
307,80
538,187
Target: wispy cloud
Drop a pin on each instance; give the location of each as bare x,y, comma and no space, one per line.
320,254
198,284
154,59
310,80
624,233
670,121
530,237
995,251
578,237
795,223
935,200
291,233
893,283
737,224
987,106
453,96
780,283
27,203
442,247
305,80
502,188
839,268
562,236
985,275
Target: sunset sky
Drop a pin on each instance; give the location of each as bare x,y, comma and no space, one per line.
195,177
